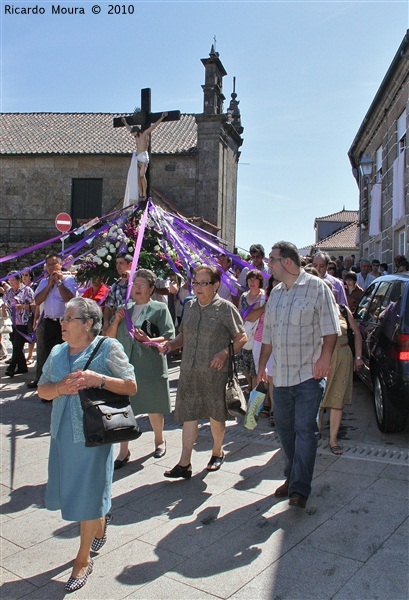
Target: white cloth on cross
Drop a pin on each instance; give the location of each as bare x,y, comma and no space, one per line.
131,191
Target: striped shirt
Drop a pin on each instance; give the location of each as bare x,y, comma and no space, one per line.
295,321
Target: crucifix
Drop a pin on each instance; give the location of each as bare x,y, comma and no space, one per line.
140,124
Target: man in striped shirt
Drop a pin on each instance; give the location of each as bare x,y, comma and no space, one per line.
301,326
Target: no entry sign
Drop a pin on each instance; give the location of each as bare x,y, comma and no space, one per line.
63,222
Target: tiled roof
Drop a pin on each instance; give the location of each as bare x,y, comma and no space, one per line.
87,133
343,216
343,238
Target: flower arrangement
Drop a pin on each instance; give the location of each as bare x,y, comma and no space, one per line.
121,238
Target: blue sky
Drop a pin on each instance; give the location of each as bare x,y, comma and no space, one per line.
306,74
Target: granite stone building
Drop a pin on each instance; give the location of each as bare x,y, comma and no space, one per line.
78,163
379,159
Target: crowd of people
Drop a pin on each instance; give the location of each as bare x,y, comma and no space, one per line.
287,319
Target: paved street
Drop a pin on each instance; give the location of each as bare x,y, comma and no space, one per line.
219,535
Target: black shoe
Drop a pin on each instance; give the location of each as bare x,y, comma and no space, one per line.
297,500
97,543
179,471
118,464
8,361
159,452
282,491
74,584
32,385
21,371
8,373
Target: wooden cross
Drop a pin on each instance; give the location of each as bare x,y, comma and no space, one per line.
145,118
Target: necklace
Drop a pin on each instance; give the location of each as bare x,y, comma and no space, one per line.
204,305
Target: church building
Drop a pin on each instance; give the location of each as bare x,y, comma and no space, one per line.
78,163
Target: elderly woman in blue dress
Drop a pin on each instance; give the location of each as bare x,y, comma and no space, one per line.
79,478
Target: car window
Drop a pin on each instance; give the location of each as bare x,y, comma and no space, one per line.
392,306
378,302
364,302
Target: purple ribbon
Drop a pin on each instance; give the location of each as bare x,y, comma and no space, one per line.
138,245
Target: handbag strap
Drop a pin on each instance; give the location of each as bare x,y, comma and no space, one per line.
232,365
95,350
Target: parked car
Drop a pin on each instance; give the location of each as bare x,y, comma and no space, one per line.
383,319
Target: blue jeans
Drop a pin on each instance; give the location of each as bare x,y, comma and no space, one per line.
295,412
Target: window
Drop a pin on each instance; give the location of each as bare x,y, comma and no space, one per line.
401,132
378,164
86,199
378,303
402,242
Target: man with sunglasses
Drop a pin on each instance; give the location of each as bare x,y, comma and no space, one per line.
301,326
51,295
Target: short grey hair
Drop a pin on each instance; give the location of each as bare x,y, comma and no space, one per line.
85,309
148,275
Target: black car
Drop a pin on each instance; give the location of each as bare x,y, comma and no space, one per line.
382,316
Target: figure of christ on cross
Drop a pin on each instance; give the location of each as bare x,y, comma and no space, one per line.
142,144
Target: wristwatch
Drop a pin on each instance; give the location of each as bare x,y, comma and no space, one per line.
358,357
102,384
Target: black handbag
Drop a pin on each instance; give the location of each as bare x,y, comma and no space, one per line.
235,400
108,417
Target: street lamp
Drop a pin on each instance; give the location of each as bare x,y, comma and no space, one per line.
365,166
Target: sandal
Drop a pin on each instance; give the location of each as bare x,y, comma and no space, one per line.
272,420
265,413
337,450
179,471
215,462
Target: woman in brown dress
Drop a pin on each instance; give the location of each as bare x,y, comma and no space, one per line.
338,390
209,325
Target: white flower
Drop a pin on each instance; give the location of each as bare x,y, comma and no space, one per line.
109,257
104,235
119,232
106,265
130,248
112,248
101,252
98,261
118,244
156,248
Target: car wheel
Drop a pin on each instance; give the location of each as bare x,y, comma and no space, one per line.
388,417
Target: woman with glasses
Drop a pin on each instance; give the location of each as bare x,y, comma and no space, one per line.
151,325
18,299
332,268
80,478
209,325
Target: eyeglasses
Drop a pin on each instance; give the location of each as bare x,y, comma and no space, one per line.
273,258
201,283
70,319
140,285
26,275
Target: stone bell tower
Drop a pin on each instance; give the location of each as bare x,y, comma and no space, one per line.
218,142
